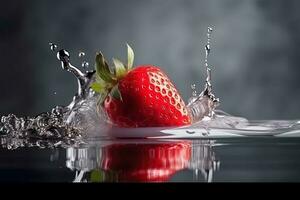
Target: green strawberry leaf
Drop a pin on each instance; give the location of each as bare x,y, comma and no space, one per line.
97,87
102,97
130,57
115,93
102,69
119,68
106,82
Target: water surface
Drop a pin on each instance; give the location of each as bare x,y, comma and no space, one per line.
247,159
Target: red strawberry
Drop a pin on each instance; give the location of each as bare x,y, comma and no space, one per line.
152,162
140,97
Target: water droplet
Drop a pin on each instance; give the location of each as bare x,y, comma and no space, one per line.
53,46
193,86
85,64
194,92
55,93
203,105
209,29
208,86
81,54
63,55
207,48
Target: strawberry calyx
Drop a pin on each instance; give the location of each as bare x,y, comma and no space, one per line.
107,78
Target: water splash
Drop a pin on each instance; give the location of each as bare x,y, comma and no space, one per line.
81,118
45,126
83,79
206,102
207,51
60,122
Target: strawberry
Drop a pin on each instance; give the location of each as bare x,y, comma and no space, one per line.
152,162
139,97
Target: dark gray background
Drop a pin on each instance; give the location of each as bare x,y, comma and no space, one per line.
255,49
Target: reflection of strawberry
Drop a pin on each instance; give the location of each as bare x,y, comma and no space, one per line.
140,97
145,162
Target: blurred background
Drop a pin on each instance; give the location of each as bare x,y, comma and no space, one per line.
255,49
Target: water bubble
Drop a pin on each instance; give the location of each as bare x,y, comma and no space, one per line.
205,133
3,130
53,46
42,120
85,64
57,111
81,54
190,132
